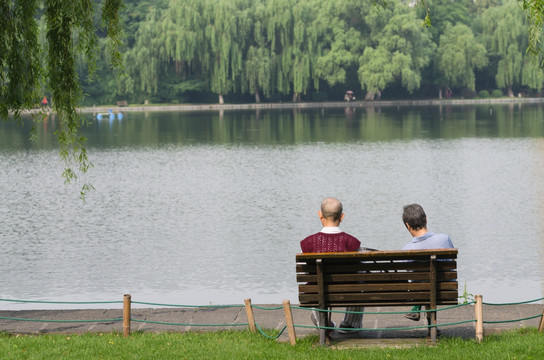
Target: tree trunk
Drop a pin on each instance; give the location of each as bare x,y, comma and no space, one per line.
440,93
221,101
370,95
510,92
257,97
296,97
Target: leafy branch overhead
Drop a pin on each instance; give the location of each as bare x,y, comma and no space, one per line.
28,68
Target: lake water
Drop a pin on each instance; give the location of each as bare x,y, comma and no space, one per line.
209,208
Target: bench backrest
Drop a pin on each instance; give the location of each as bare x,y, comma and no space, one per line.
378,278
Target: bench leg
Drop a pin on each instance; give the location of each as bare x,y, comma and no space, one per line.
431,320
323,321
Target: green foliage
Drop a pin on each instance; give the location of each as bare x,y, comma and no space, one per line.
399,52
468,297
458,56
28,67
497,93
299,47
484,94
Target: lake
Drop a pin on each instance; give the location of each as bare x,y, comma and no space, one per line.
209,207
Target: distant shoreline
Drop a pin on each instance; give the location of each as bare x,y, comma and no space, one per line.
306,105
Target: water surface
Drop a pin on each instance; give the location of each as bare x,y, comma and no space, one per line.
204,207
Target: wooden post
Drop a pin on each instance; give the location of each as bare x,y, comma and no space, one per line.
541,326
250,317
322,316
478,312
289,322
126,315
432,315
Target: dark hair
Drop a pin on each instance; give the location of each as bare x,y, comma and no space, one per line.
414,216
331,208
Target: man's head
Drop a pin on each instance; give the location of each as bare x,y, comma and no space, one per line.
414,217
331,210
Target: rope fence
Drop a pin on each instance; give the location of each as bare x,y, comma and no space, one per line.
287,310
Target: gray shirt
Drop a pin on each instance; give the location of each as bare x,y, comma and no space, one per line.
429,241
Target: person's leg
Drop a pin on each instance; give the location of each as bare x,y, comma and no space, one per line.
352,320
315,319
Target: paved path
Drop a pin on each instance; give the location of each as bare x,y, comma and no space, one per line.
51,321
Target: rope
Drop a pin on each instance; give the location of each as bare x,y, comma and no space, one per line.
389,329
63,302
268,336
186,324
267,308
263,308
516,303
509,321
61,321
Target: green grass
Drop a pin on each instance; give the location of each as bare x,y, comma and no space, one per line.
519,344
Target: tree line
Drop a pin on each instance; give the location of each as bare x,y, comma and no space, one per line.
289,50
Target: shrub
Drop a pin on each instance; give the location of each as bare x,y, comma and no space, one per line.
497,93
483,94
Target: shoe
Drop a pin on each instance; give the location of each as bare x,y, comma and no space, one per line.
413,316
314,320
346,329
316,323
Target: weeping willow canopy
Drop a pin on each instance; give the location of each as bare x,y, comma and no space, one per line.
32,62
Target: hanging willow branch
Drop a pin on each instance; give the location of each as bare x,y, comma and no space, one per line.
534,10
25,66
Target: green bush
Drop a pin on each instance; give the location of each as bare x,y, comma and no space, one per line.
497,93
483,94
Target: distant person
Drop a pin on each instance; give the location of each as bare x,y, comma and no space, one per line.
332,239
44,102
415,220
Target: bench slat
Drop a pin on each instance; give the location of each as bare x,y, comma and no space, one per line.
381,255
381,266
361,298
450,285
381,277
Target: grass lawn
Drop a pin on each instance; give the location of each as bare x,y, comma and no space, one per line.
518,344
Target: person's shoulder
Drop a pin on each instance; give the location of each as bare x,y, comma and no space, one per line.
440,236
443,238
310,237
351,237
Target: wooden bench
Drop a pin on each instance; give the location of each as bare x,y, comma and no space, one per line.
378,278
122,103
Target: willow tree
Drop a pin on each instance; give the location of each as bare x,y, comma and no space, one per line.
342,41
224,40
294,41
504,33
459,55
398,51
258,70
258,74
143,61
26,68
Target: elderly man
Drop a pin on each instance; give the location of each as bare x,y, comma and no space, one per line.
332,239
